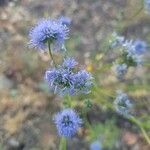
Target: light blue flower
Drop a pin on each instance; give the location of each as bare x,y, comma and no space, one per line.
131,50
147,6
117,40
123,104
139,47
130,54
65,20
48,30
120,70
67,122
95,146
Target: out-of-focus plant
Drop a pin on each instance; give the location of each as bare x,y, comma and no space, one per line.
106,133
147,5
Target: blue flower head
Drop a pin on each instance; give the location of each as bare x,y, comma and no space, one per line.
131,53
128,46
136,47
117,40
65,20
131,50
48,30
95,146
82,82
60,80
147,6
66,79
139,47
120,70
123,104
67,122
69,63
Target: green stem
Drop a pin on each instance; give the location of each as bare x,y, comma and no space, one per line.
86,118
69,100
63,144
123,24
138,12
50,52
134,120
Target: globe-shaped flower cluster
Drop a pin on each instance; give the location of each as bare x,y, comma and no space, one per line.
123,104
53,31
67,122
66,79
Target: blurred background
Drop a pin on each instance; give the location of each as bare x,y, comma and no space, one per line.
26,103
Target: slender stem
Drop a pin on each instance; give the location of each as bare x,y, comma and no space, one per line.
50,52
133,119
86,118
69,100
63,144
123,24
138,12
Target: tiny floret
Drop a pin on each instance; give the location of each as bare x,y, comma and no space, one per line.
123,104
69,63
147,6
95,146
117,40
65,20
67,122
48,30
140,47
82,82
